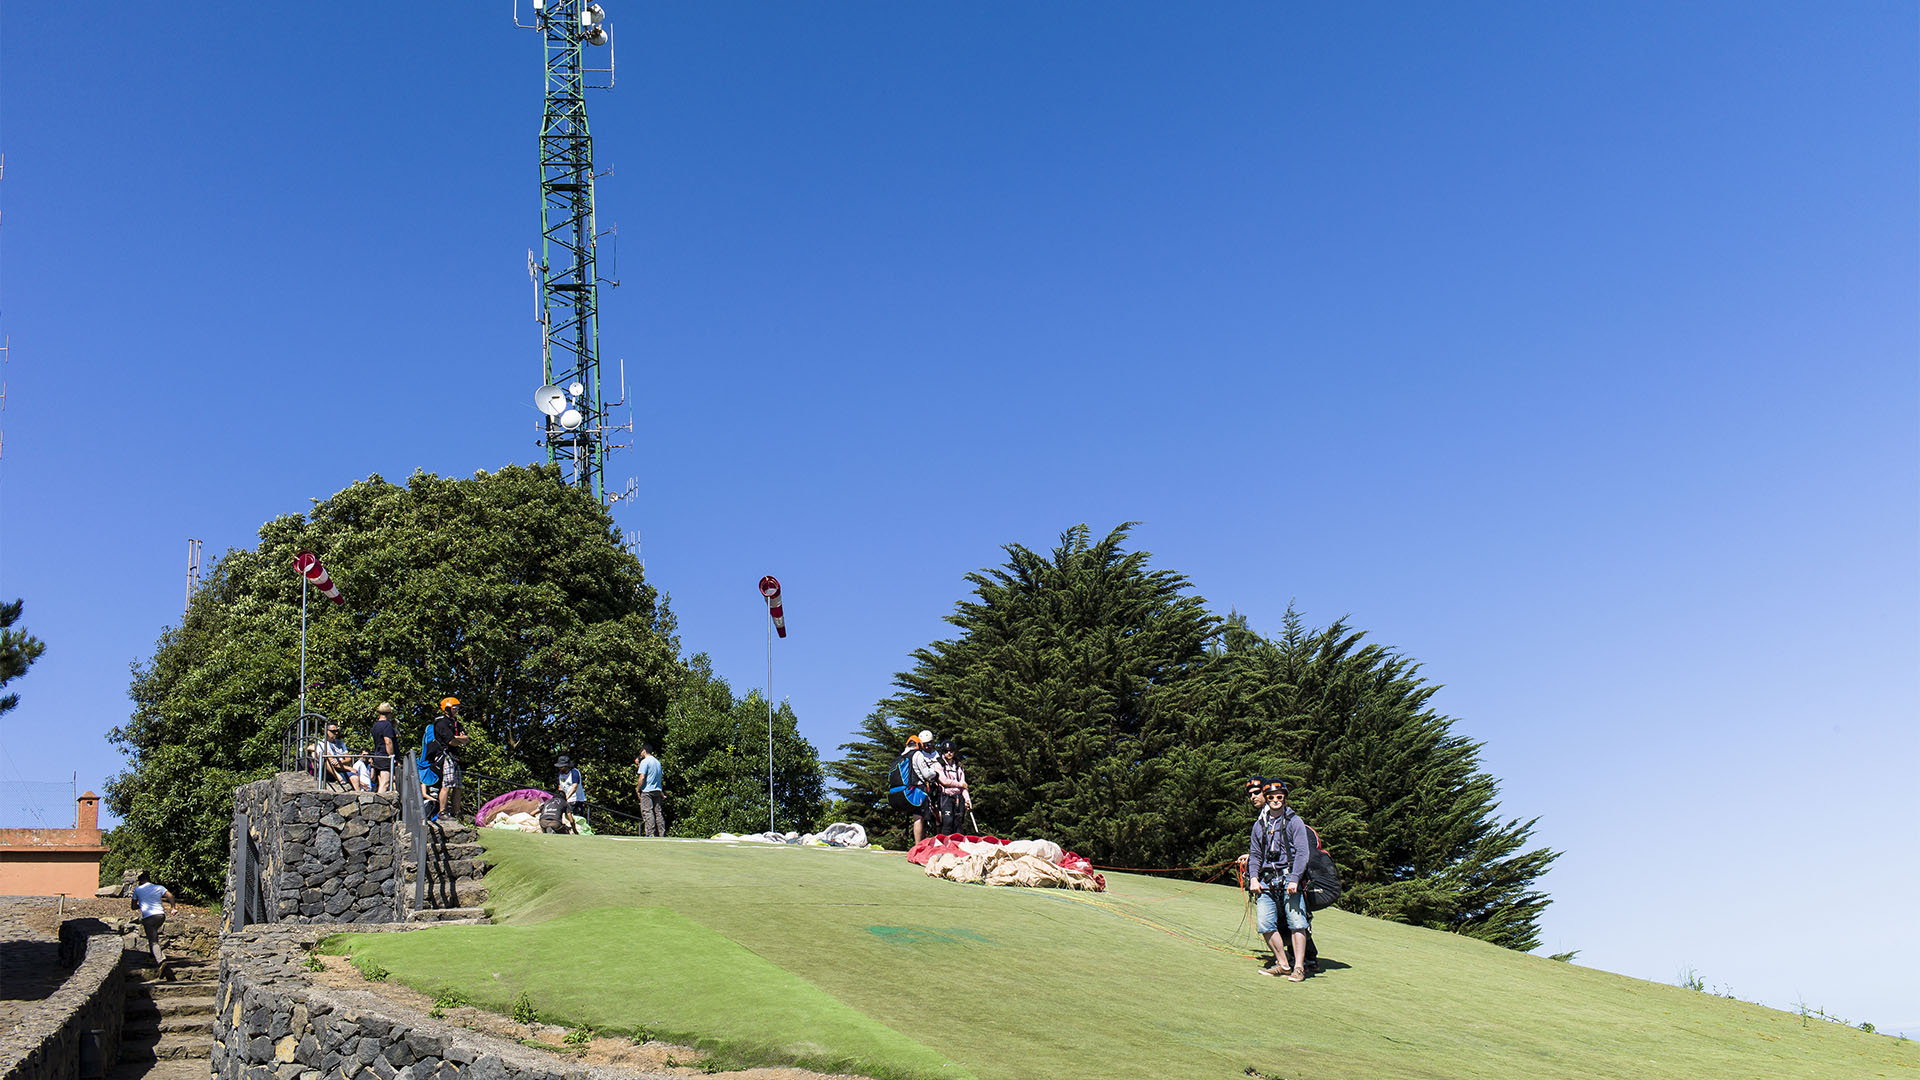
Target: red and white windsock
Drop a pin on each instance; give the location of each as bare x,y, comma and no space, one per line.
309,564
770,588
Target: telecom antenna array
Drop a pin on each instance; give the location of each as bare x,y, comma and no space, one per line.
565,276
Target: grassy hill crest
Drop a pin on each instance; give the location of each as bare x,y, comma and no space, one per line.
856,961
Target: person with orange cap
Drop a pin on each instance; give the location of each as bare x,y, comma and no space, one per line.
926,779
438,763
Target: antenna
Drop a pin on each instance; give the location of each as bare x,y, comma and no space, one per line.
567,283
193,572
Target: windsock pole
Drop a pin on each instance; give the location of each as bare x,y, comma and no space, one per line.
776,621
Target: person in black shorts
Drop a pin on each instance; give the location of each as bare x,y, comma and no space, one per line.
386,747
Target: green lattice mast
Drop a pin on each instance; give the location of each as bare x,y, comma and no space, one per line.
576,436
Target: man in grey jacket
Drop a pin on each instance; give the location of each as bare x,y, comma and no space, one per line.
1276,860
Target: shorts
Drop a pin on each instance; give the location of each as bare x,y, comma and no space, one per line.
1267,917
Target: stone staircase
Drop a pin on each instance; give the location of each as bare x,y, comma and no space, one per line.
455,867
169,1023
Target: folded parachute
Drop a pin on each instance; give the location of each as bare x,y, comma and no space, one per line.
989,860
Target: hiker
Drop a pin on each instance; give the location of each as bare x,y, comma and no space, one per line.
572,787
438,764
653,818
955,799
386,747
1276,860
154,903
556,816
922,766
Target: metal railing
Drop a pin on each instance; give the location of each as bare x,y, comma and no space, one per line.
296,742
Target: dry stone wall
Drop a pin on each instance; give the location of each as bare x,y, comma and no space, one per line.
322,856
273,1022
76,1029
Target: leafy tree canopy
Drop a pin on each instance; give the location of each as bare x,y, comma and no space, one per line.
716,749
1101,706
509,591
18,650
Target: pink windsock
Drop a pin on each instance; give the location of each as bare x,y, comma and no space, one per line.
770,588
309,564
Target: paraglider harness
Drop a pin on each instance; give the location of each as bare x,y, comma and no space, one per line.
1320,884
906,795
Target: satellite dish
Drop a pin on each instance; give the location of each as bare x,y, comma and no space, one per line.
597,36
577,389
570,419
550,400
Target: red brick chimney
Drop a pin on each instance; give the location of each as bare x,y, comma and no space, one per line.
89,815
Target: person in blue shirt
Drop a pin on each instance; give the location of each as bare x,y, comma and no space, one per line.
571,786
653,818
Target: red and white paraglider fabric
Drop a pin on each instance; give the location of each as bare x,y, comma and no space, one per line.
770,588
309,565
989,860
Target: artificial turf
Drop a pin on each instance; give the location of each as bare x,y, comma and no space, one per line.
856,960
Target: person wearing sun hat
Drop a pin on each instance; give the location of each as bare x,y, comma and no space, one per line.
1276,859
573,787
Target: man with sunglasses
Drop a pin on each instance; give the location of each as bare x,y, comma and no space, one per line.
1276,860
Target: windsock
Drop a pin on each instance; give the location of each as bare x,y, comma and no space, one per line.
770,588
309,564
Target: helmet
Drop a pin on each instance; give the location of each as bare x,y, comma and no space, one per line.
925,737
1256,784
1275,787
445,702
946,746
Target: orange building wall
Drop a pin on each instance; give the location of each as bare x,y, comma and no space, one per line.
47,862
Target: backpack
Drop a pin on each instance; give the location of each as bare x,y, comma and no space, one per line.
905,795
1321,885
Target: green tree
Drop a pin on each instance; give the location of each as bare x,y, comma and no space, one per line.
509,591
1398,797
1079,688
716,754
18,651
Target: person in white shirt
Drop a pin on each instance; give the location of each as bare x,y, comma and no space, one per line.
573,787
155,904
926,778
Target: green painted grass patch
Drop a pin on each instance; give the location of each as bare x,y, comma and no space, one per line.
1141,982
653,971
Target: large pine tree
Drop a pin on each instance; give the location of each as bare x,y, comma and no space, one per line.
1078,690
1104,708
1397,795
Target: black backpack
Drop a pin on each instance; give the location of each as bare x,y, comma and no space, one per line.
906,795
1321,886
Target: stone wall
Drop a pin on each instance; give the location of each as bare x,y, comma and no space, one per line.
272,1022
46,1042
324,856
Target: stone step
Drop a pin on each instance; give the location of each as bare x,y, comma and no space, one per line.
151,1027
175,1069
166,1047
449,915
172,1006
169,991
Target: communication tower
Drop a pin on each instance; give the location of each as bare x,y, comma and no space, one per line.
565,275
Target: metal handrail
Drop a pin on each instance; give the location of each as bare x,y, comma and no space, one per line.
294,740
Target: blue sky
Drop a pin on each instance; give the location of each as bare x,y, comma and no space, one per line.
1573,351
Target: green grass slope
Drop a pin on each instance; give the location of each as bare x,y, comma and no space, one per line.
856,960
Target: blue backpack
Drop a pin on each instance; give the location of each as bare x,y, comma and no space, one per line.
906,794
